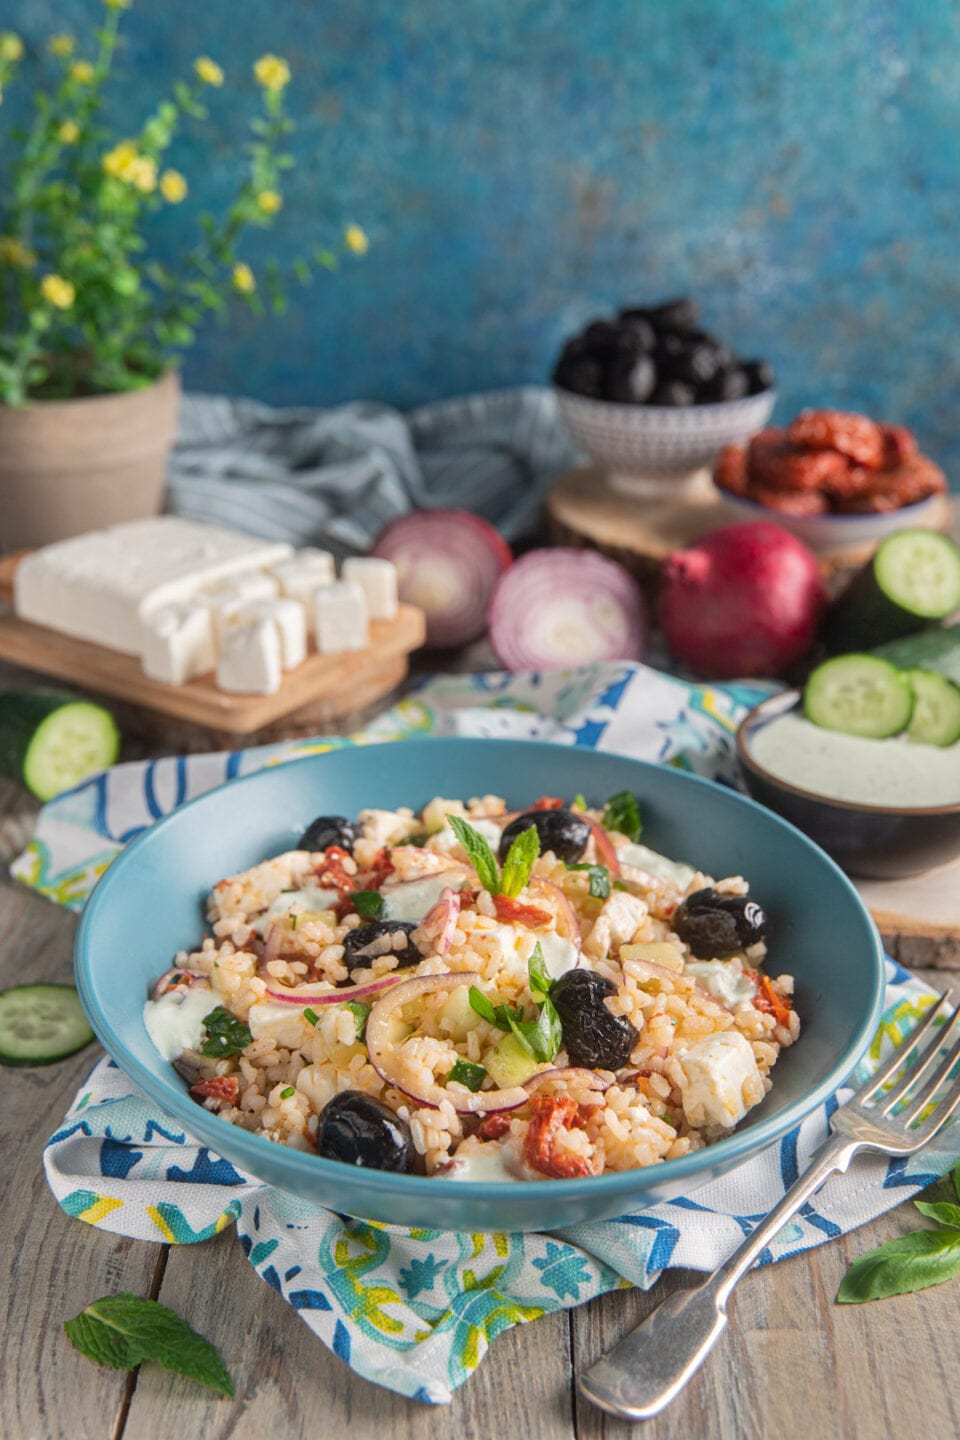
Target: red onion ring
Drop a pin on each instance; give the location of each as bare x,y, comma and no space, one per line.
310,995
166,982
566,910
382,1051
271,948
440,922
604,847
574,1073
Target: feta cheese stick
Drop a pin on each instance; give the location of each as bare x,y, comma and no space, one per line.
378,581
290,620
341,618
178,643
250,661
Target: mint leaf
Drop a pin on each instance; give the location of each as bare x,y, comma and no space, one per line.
359,1010
481,1005
911,1262
540,979
599,879
368,903
942,1211
481,856
123,1331
224,1034
623,815
466,1073
519,862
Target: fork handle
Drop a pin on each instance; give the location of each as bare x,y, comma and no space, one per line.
650,1366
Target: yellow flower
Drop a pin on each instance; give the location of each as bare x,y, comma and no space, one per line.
142,174
69,132
61,45
11,46
271,72
243,278
57,291
173,187
82,71
269,202
117,162
14,252
356,239
208,71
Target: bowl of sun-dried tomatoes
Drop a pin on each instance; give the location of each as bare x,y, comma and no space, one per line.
833,478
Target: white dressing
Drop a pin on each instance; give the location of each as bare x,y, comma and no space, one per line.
559,953
175,1021
480,1162
414,899
719,978
445,839
308,898
674,872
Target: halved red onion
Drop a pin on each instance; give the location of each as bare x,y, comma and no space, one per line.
575,1074
562,607
312,995
383,1052
440,922
565,911
448,562
604,848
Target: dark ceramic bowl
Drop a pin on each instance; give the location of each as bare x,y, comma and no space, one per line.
882,842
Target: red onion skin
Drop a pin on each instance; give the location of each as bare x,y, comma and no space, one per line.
744,601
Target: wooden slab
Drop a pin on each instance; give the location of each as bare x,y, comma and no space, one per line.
328,684
918,918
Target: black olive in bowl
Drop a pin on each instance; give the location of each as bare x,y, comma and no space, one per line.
591,1035
561,831
328,830
380,937
715,925
359,1130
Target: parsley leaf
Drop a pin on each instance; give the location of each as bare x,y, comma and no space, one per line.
123,1331
540,980
622,814
599,879
481,856
466,1073
368,903
519,862
359,1010
224,1034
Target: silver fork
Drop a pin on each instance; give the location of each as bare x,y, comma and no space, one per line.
650,1366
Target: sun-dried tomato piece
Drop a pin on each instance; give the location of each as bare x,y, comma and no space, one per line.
382,867
218,1087
515,912
547,802
853,480
899,444
776,463
331,870
494,1127
906,484
731,471
768,1000
792,502
856,436
550,1116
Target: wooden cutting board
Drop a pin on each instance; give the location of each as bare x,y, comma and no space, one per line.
313,696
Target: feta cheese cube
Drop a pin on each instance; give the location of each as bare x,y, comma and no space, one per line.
178,643
290,620
301,576
341,618
378,581
225,600
250,659
720,1080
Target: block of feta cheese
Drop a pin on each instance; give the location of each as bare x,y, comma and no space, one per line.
290,619
178,643
378,581
721,1080
250,661
225,600
341,618
303,575
101,586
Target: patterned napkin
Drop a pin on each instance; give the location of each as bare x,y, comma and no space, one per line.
415,1310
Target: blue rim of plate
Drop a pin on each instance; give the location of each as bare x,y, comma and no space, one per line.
742,1143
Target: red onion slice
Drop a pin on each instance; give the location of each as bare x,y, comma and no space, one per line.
384,1054
604,847
448,562
271,949
555,608
311,995
176,979
440,923
575,1074
565,911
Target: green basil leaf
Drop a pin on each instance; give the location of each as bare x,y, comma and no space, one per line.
224,1034
519,862
482,1006
522,1030
623,815
540,979
481,856
466,1073
542,1037
578,803
368,903
359,1010
123,1331
942,1211
911,1262
956,1181
599,879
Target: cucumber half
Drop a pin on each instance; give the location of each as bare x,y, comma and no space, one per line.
936,711
41,1023
859,695
50,741
912,580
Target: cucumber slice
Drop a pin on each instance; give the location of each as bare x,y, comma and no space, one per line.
859,695
508,1064
51,741
936,711
912,579
40,1024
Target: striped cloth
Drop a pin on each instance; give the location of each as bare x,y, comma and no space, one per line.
335,477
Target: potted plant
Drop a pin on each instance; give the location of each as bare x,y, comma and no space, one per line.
92,324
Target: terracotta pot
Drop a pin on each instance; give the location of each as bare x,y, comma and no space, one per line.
67,466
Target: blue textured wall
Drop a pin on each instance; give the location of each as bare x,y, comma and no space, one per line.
521,164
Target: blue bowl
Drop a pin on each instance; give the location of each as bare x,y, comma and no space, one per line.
149,904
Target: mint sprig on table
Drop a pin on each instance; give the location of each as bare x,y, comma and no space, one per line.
517,866
910,1262
122,1331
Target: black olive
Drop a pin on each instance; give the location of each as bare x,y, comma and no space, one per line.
715,925
591,1035
560,831
359,1130
328,830
380,937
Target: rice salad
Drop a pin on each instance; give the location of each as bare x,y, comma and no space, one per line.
471,993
